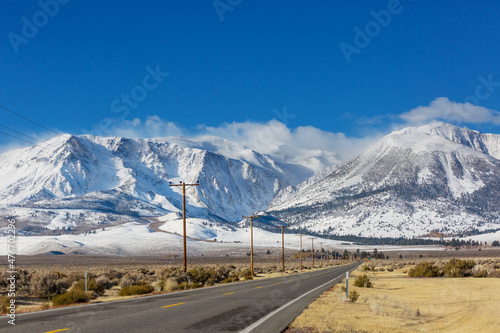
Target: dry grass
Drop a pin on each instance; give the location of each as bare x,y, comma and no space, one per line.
401,304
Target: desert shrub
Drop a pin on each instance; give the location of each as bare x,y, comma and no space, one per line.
170,285
366,268
138,289
363,281
177,274
23,282
105,281
495,274
48,285
231,279
202,276
130,279
92,286
408,312
246,274
158,285
480,274
70,297
458,268
424,269
187,285
75,276
4,303
353,296
377,308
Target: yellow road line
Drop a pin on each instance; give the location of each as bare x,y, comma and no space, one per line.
62,329
259,287
278,282
167,306
228,293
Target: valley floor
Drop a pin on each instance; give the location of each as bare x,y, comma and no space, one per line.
397,303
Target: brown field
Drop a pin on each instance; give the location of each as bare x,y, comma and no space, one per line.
397,303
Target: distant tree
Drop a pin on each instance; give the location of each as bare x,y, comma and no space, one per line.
268,252
495,243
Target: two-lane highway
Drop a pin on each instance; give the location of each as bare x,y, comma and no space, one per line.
266,305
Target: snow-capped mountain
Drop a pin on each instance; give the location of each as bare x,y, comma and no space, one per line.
435,177
87,179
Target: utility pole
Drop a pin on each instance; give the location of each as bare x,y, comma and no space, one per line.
321,254
283,247
312,242
300,252
251,217
327,255
183,185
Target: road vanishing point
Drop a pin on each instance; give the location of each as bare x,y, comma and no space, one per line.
267,305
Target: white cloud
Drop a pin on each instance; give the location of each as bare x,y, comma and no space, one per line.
152,127
272,137
443,109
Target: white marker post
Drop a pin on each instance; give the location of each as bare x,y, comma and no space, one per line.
347,284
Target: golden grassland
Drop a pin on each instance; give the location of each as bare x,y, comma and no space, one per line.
397,303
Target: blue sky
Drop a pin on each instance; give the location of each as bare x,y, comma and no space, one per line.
240,64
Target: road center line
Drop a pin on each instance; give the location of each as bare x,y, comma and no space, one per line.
228,293
258,287
62,329
261,320
167,306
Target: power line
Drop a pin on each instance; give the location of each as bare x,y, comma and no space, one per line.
26,135
15,137
104,165
31,121
53,131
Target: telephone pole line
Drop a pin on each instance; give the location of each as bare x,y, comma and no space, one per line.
283,247
183,185
312,242
251,217
321,254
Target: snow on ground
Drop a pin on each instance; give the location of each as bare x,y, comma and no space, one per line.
134,239
485,237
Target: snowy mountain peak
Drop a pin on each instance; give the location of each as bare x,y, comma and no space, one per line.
434,177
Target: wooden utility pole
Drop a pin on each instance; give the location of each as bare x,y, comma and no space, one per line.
251,217
283,246
183,185
321,254
300,251
312,242
327,255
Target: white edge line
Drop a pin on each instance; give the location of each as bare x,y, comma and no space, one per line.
261,320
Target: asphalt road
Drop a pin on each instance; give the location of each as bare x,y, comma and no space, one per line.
266,305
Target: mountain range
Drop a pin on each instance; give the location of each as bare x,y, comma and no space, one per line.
437,177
